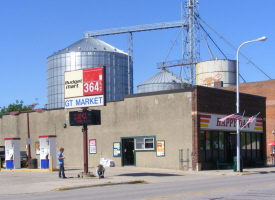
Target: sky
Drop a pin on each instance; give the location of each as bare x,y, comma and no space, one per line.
33,30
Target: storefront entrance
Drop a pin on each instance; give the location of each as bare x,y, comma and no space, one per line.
128,153
231,146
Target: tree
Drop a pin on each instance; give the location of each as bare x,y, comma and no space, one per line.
18,106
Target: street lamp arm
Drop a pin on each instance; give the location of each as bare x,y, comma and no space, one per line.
257,40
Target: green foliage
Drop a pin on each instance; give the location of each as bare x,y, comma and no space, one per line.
18,106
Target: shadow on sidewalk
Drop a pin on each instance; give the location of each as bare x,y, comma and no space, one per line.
148,174
265,172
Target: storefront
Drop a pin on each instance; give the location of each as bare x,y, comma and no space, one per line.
219,139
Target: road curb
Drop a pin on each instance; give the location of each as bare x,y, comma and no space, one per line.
98,185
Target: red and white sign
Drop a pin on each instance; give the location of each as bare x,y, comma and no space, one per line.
84,88
211,122
93,81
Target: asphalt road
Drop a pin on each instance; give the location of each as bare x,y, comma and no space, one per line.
253,186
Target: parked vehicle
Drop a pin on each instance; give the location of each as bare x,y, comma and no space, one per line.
23,156
2,156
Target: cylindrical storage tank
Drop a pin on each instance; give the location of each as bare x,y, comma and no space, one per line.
211,71
164,80
88,53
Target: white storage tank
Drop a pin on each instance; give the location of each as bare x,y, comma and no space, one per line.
211,71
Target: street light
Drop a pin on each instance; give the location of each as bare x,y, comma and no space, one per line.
238,99
28,127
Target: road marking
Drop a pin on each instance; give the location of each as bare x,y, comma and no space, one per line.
208,192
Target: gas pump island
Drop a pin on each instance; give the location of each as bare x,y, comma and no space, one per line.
84,89
12,153
47,150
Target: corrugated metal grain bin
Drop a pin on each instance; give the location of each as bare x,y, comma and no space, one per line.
164,80
88,53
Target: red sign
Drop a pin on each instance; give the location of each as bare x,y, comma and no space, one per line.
93,81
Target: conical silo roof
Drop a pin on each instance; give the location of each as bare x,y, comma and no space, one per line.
164,76
90,45
164,80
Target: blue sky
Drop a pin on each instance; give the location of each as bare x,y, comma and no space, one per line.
33,30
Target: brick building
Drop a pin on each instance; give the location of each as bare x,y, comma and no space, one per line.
152,130
265,89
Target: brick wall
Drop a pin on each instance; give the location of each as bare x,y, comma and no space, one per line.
265,89
195,131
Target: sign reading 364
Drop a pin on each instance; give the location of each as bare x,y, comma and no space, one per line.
92,81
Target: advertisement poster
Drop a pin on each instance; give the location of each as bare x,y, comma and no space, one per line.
37,148
160,148
116,149
92,146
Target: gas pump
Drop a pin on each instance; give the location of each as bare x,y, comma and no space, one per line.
12,153
47,149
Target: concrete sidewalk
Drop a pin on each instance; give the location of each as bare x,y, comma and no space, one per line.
24,182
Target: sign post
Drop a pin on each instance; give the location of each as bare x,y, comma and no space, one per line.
85,148
83,89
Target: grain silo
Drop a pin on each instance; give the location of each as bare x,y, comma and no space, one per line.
88,53
211,71
164,80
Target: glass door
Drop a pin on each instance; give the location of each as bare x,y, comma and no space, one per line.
231,146
128,153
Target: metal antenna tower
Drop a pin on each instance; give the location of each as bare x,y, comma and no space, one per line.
191,42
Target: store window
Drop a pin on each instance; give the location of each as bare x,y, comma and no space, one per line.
215,140
243,143
219,144
258,136
253,140
221,140
145,143
202,140
248,141
208,140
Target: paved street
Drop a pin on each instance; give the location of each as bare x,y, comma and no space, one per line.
22,182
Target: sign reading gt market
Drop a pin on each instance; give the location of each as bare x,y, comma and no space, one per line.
85,88
82,89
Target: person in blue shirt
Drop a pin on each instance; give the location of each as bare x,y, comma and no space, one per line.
60,159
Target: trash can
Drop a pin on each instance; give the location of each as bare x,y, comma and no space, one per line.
33,163
235,164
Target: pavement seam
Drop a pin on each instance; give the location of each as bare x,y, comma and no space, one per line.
98,185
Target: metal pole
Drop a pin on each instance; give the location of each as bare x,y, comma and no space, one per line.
238,108
29,146
130,59
85,149
238,100
180,159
